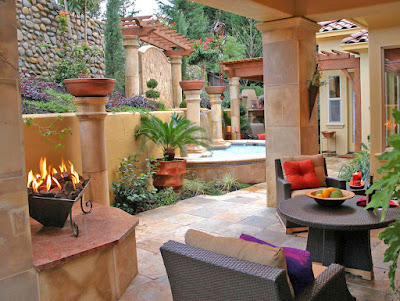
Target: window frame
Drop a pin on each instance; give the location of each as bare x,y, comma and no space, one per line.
335,99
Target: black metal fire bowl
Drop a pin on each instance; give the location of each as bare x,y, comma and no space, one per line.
53,212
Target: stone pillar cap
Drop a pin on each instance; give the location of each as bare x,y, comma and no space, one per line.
293,22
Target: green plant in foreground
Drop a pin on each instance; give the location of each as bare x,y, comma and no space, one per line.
171,135
133,191
51,132
359,164
386,189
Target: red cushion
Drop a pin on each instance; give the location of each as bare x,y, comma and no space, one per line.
301,174
261,136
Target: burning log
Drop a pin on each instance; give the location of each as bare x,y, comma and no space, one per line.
50,182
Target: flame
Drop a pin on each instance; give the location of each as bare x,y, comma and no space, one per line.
45,179
31,178
48,183
57,183
62,167
74,175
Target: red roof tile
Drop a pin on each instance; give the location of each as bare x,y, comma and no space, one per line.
359,37
336,25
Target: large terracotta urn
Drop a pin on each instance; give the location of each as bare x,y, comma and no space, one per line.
89,87
169,174
188,85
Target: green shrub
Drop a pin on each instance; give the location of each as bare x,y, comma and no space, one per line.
133,191
183,104
165,197
161,106
152,94
74,61
194,187
359,164
152,83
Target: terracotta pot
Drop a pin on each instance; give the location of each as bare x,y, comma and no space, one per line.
169,174
328,134
85,87
187,85
228,128
215,89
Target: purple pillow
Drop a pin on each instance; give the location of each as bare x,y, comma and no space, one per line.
299,265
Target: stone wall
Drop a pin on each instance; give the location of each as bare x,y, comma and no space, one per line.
38,25
154,64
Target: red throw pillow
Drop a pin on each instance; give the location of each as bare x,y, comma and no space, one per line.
261,136
301,174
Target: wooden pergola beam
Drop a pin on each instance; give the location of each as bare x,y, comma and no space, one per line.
156,34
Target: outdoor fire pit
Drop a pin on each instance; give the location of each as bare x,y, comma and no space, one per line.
52,193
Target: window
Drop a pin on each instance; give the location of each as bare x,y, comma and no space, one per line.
334,101
392,91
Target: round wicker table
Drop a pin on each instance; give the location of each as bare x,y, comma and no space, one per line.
338,234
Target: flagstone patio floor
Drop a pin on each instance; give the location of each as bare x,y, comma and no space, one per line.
238,212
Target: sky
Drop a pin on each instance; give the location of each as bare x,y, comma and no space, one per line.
144,7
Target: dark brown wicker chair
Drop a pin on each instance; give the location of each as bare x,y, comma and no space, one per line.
284,192
199,275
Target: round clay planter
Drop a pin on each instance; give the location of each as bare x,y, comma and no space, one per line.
215,89
169,174
328,134
188,85
86,87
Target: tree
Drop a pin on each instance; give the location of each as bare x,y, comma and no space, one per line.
114,50
247,34
127,8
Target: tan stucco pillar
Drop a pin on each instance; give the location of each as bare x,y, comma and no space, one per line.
91,114
235,107
176,72
18,278
216,120
131,45
193,99
289,51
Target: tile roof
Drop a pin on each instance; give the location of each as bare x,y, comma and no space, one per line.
333,25
358,37
336,25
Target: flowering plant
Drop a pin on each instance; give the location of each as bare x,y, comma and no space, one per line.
206,53
62,20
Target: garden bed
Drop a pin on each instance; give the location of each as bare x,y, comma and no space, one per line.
40,96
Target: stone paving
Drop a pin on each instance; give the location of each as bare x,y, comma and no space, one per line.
232,214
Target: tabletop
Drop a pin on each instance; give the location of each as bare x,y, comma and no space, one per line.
305,211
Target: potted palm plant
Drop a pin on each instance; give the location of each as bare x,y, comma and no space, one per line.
170,136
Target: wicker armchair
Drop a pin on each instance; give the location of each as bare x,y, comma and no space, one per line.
196,275
284,191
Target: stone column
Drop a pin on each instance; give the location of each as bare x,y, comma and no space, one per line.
193,99
235,107
18,278
216,120
289,50
176,72
91,114
131,45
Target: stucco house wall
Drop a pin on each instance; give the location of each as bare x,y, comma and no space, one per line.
344,140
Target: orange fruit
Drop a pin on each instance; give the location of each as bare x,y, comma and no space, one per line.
331,189
319,195
326,193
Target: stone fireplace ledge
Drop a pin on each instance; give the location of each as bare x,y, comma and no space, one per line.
103,228
99,264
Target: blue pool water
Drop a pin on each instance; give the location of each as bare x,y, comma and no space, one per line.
238,151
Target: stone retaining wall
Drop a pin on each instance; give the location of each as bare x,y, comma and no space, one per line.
38,25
